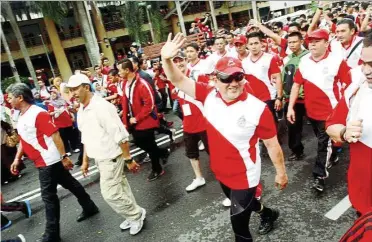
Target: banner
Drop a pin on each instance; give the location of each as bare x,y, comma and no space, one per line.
276,5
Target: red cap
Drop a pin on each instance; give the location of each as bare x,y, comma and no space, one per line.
197,19
229,65
319,34
240,39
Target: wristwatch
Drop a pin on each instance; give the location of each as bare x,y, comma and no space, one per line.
320,8
128,161
64,156
279,98
342,134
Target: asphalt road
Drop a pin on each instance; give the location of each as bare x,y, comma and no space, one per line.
175,215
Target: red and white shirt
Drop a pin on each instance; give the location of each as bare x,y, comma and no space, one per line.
354,58
258,73
356,105
234,130
231,49
196,71
35,128
321,80
210,63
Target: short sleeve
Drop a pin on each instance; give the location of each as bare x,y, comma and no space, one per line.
274,67
283,43
344,73
201,91
113,89
298,77
339,114
44,124
266,128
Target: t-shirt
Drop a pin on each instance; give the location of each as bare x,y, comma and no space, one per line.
63,119
196,71
323,82
258,73
234,130
35,128
354,58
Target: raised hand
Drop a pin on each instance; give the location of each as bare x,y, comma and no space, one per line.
171,47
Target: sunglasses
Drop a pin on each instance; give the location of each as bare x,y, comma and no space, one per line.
227,79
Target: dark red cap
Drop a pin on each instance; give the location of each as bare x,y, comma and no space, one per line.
197,19
229,65
240,39
319,34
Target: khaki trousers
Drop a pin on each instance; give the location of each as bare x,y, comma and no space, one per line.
115,188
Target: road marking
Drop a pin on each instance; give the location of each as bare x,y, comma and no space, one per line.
339,209
92,170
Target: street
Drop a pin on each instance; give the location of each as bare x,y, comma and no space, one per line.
175,215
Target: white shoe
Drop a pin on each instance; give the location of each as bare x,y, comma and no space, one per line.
22,238
201,146
125,225
173,134
68,153
198,182
136,226
226,202
76,151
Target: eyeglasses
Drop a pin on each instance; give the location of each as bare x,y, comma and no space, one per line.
227,79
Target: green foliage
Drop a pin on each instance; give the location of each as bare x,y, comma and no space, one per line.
56,10
7,81
133,17
159,25
314,6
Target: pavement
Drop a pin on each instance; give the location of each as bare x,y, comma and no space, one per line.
175,215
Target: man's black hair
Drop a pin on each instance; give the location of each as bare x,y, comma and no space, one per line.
126,63
298,34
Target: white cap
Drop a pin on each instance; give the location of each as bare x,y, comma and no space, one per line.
76,80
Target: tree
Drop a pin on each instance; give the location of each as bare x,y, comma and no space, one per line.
10,57
13,22
56,11
133,17
159,25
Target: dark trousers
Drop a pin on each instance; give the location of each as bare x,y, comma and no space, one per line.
271,105
324,149
243,202
145,139
164,98
295,130
69,138
50,177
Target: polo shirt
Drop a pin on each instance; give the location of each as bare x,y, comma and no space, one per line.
35,128
234,130
196,71
354,59
321,81
258,74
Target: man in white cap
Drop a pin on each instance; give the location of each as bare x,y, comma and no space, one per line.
105,139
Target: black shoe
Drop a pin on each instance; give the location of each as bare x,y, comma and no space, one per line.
267,222
319,184
84,215
155,175
78,163
333,160
294,156
164,159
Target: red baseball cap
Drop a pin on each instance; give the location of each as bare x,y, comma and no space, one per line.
319,34
197,19
240,39
229,65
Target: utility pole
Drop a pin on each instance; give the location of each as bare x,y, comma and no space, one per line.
47,55
211,6
147,7
180,17
254,8
10,57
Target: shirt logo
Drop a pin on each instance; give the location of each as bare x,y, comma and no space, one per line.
231,63
242,122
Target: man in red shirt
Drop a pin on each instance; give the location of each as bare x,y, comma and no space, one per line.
351,122
235,122
42,144
320,73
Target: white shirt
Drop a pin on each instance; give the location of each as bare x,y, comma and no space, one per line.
196,69
211,61
101,129
353,60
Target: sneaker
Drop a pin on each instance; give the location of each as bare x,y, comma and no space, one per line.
267,223
155,175
164,159
333,160
146,159
27,209
5,226
21,238
76,151
173,136
226,202
125,225
198,182
294,156
319,184
201,146
136,226
68,154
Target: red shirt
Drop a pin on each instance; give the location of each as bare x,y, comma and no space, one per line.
160,81
63,120
106,70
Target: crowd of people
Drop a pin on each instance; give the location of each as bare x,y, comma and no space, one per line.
230,94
